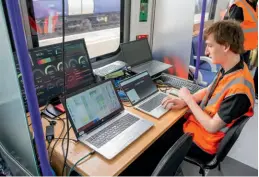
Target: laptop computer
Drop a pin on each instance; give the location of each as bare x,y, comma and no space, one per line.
137,54
144,95
99,120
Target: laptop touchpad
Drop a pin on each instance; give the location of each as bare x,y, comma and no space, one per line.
158,111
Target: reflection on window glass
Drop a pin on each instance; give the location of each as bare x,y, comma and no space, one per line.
97,21
210,10
198,6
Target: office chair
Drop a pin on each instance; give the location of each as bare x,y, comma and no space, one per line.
169,164
224,147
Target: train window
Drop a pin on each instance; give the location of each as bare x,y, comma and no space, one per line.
198,10
97,21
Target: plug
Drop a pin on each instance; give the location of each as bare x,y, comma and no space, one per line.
52,122
49,133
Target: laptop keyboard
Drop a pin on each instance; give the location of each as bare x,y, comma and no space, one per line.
179,83
153,103
106,70
111,131
110,68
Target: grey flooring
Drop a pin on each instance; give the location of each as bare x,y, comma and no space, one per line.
229,167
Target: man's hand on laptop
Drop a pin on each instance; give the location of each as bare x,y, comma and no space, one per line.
173,103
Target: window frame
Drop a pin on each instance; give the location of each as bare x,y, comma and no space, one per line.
208,15
34,40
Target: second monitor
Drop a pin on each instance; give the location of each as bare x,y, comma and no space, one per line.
47,68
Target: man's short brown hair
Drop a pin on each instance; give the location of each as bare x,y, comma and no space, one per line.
229,33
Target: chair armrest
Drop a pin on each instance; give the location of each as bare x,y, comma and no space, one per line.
200,77
208,60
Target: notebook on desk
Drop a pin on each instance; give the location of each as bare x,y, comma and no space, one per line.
99,120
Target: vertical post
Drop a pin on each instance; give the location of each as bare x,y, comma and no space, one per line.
200,39
25,66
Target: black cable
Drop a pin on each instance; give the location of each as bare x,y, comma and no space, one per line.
49,145
45,118
63,128
73,167
70,139
64,72
62,145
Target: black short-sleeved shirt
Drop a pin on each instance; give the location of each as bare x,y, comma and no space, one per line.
236,105
236,12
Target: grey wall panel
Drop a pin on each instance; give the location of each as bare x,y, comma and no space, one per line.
137,27
172,36
14,132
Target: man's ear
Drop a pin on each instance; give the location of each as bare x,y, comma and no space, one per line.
226,48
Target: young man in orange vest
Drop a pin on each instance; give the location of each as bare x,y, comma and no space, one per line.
246,12
230,96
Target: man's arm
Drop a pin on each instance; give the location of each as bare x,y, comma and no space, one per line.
198,96
231,108
212,125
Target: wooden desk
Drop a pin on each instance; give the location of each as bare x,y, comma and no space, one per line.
96,165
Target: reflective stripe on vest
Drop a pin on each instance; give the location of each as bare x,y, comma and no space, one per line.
242,80
210,90
249,30
249,11
249,25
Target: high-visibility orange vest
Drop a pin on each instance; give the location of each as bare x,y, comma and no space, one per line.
237,82
249,25
50,23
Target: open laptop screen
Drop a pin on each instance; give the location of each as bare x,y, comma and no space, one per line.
136,52
138,87
89,107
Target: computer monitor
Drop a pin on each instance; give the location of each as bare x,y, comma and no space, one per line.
136,52
47,68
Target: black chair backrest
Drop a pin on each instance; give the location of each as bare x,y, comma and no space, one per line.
230,138
173,158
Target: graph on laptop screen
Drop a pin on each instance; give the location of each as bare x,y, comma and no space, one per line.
92,105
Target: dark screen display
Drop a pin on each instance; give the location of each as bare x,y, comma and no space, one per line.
136,52
47,68
138,87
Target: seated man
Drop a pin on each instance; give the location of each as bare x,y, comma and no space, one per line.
230,96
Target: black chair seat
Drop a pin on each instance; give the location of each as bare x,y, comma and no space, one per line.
171,161
224,147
